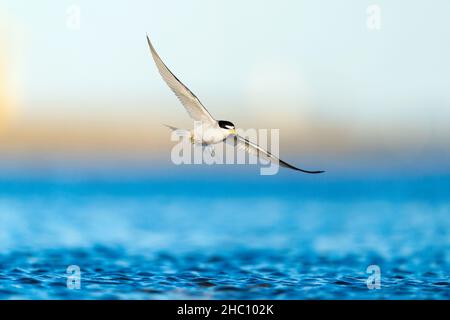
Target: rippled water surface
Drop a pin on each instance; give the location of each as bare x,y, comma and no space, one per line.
155,240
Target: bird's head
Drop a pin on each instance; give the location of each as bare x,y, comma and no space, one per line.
228,126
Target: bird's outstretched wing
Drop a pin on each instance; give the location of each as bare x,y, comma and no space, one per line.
253,149
192,104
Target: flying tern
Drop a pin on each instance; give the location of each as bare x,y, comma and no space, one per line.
213,131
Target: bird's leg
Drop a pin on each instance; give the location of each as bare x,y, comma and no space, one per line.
211,150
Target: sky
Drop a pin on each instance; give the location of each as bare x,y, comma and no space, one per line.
342,94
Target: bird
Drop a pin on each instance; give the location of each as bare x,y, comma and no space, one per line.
213,131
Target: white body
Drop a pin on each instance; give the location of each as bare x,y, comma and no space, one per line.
207,134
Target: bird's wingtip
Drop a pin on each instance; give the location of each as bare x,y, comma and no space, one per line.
313,172
310,171
152,49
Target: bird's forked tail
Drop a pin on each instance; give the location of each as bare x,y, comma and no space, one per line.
170,127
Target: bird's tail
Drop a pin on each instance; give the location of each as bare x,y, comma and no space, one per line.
179,132
170,127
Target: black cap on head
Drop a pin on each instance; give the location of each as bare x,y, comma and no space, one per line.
225,124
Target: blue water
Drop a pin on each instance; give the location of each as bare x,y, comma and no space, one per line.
200,237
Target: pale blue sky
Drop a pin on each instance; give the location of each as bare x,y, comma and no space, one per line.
216,44
307,58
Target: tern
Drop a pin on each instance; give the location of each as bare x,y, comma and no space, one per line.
213,131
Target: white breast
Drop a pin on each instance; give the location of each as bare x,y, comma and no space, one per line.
209,135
